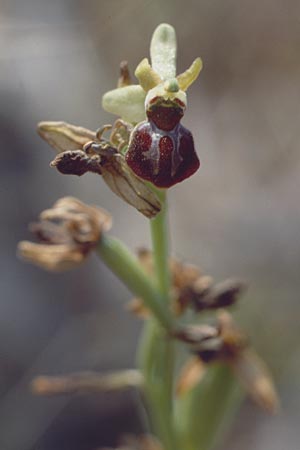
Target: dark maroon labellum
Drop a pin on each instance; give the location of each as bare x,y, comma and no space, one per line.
161,150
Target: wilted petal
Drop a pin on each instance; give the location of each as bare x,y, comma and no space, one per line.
196,335
76,162
68,232
183,274
205,296
55,258
130,188
64,136
127,102
163,51
255,376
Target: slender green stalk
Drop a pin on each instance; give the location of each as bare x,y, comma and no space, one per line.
156,349
160,244
127,268
156,353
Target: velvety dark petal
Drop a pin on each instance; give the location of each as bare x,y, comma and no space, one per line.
160,157
165,118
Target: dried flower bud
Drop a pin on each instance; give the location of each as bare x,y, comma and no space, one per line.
67,233
184,274
203,295
76,162
125,78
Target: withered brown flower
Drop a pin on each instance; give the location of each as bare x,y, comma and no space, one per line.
190,288
225,343
81,150
67,233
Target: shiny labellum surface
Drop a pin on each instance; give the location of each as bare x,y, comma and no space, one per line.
162,157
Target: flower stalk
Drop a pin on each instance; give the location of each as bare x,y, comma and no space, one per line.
157,350
127,268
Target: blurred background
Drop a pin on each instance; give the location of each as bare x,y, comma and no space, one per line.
238,216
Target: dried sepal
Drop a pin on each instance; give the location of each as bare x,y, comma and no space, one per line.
83,382
67,233
64,136
55,258
123,182
256,379
190,375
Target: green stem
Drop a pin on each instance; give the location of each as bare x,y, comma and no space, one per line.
156,352
128,269
160,244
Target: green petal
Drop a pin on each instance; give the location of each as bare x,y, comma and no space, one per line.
127,102
188,77
147,77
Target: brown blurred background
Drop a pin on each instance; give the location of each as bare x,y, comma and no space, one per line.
239,215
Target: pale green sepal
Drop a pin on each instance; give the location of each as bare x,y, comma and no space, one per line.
163,51
127,102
